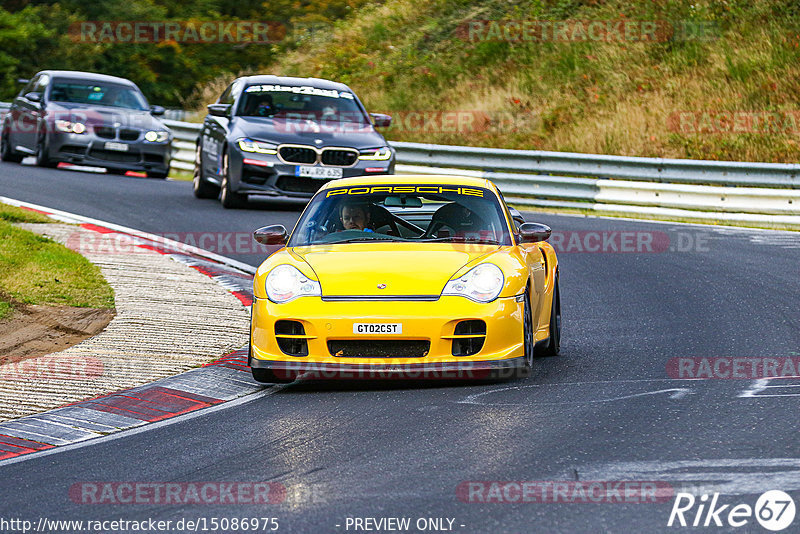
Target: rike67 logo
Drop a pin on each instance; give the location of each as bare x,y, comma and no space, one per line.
774,510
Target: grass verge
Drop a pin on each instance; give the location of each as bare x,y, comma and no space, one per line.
37,270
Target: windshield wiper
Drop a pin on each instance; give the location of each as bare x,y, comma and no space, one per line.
458,239
360,238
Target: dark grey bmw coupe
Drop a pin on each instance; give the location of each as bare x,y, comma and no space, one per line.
88,119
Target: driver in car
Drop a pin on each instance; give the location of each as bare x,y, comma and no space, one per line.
355,216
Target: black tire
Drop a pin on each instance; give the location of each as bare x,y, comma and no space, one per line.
229,198
527,331
6,152
161,175
120,172
553,345
268,376
42,160
200,187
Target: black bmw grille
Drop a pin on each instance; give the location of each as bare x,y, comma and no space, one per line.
341,158
299,184
294,154
106,132
128,134
379,348
110,155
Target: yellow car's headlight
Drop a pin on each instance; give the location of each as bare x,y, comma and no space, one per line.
376,154
481,284
285,283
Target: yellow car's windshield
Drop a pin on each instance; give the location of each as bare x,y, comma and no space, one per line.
406,213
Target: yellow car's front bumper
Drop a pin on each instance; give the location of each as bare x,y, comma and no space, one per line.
328,323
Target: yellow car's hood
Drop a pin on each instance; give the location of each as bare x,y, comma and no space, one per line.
359,269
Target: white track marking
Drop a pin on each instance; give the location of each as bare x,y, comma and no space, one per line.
677,393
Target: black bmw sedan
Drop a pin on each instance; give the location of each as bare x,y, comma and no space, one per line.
89,119
282,137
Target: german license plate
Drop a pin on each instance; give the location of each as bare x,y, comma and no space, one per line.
119,147
311,171
377,328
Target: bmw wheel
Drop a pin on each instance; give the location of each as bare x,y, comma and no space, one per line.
6,152
200,187
229,198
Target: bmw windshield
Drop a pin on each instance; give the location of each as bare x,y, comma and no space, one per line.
99,94
403,213
301,103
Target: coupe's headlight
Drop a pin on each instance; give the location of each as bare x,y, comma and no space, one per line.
70,127
260,147
376,154
285,283
482,283
156,136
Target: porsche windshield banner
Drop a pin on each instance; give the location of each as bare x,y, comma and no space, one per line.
406,189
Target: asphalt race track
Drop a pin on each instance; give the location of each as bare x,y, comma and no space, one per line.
636,297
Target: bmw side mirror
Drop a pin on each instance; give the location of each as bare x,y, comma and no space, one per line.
34,97
533,232
157,110
219,110
380,120
271,235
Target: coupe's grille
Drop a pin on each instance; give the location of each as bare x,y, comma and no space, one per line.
110,155
294,154
106,132
379,348
153,158
299,184
72,149
341,158
129,135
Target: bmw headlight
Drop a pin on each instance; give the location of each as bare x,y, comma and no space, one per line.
70,127
259,147
156,136
481,284
376,154
285,283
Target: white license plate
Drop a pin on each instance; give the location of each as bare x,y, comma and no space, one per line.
377,328
119,147
311,171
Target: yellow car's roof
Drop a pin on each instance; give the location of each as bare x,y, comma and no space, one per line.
381,179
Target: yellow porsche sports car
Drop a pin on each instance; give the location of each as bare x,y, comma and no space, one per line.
412,276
